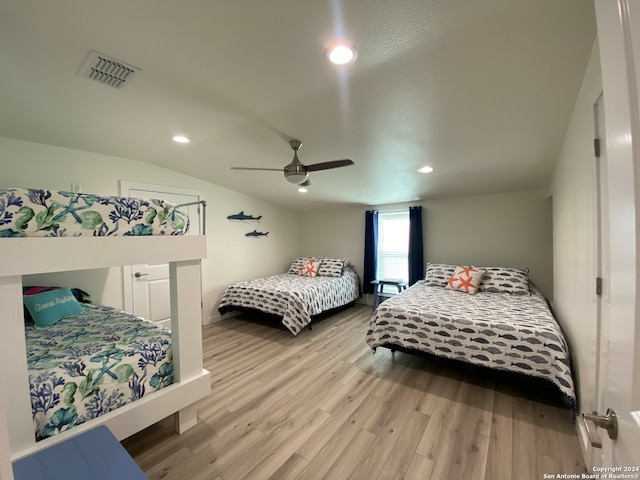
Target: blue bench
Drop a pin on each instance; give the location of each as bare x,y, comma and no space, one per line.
92,455
379,295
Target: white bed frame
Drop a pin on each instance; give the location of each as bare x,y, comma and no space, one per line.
23,256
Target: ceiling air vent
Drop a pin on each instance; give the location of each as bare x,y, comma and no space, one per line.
107,70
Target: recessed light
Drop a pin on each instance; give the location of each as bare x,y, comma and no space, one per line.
342,54
180,139
302,190
426,169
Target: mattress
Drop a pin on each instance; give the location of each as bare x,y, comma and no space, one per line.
87,365
47,213
296,298
497,330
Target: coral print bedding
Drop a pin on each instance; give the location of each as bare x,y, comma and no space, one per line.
86,365
46,213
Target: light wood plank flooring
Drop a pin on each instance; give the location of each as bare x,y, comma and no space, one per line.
321,405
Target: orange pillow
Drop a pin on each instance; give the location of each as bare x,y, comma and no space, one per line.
310,268
465,279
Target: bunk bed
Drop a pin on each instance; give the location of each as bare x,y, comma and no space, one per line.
132,235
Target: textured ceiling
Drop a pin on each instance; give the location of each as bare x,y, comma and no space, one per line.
482,91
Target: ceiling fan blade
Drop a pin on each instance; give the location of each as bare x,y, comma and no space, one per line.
252,168
327,165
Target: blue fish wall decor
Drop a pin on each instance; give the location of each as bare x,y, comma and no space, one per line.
243,216
256,234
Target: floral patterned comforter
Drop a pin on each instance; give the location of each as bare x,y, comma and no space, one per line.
84,366
294,297
46,213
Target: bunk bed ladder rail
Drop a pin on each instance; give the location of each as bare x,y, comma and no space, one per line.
203,217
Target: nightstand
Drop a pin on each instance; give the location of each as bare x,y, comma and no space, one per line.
379,295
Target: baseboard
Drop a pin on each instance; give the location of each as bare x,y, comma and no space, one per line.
211,319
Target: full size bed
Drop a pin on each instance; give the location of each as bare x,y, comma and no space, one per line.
506,325
112,355
296,296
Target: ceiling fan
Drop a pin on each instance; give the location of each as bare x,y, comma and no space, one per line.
298,173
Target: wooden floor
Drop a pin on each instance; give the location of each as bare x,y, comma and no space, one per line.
322,405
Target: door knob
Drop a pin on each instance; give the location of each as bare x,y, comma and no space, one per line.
609,422
138,274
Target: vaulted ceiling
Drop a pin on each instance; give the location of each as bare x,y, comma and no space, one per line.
481,91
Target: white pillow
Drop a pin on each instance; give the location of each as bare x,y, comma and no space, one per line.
310,268
465,279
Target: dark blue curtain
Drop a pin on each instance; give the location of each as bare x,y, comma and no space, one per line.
416,253
370,250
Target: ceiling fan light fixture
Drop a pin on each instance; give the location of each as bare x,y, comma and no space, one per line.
342,54
425,169
296,177
296,172
303,189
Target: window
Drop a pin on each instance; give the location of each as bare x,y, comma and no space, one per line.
393,245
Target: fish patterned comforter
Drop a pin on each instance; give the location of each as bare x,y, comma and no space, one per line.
497,330
294,297
87,365
46,213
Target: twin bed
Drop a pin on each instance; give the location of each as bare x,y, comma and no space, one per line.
506,325
93,363
100,365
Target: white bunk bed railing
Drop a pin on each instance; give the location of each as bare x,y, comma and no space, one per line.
23,256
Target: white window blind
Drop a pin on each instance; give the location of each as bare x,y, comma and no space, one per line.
393,245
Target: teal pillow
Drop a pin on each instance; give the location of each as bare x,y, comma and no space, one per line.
50,306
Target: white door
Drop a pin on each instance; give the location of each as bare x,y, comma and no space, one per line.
150,293
592,405
619,382
147,286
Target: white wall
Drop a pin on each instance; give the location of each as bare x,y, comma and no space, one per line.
510,229
574,235
231,255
